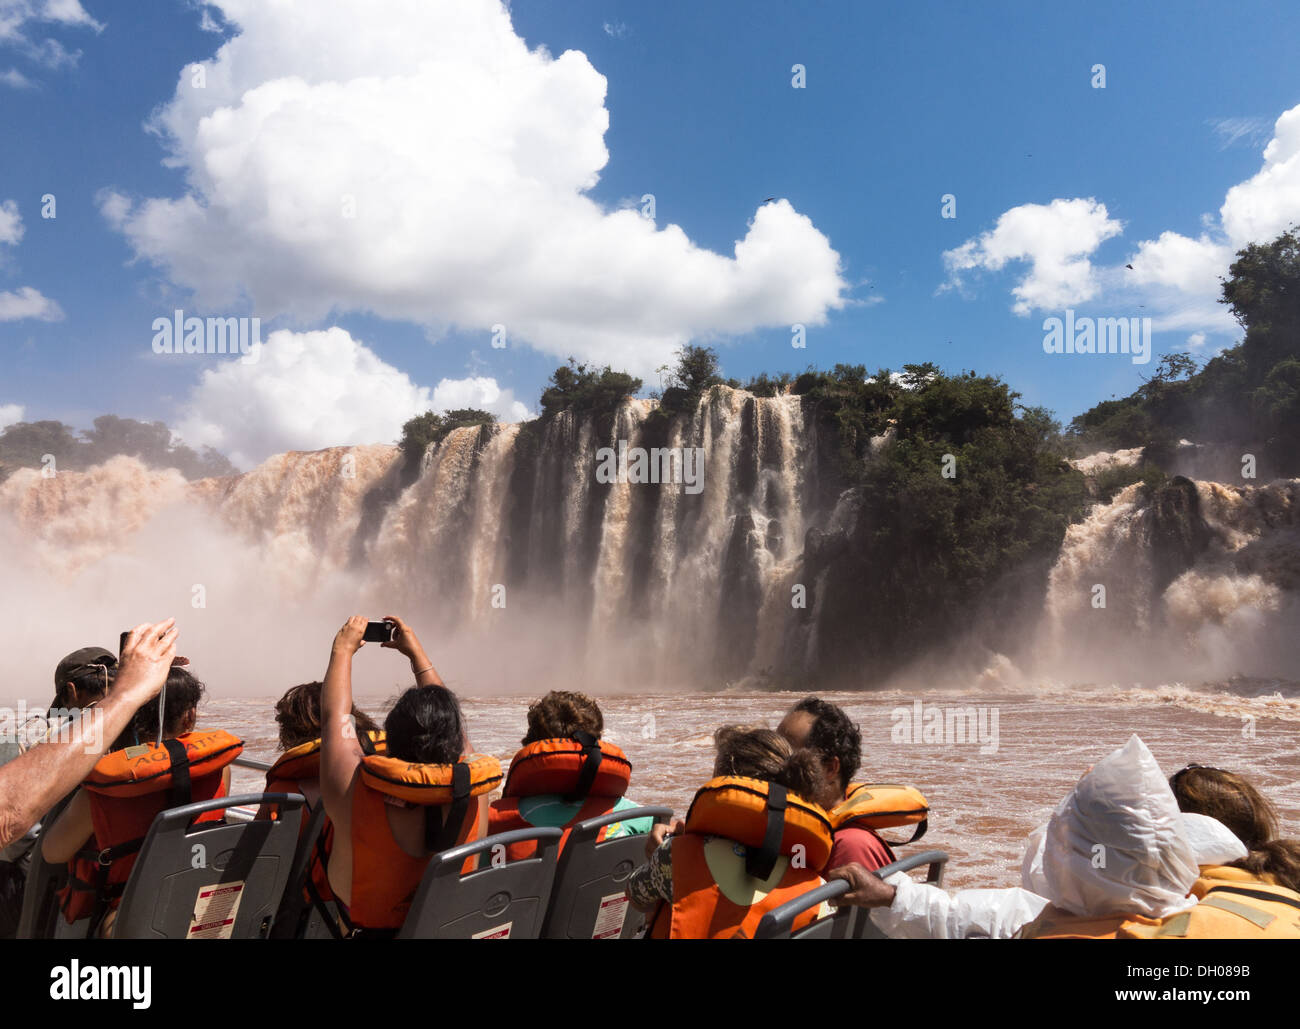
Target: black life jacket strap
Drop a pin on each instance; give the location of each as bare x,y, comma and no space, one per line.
760,861
439,836
591,759
921,826
1254,894
105,894
118,851
317,901
182,787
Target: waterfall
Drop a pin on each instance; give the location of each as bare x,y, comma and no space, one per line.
523,568
1227,607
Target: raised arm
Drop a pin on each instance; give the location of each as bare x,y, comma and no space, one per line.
406,642
340,752
34,782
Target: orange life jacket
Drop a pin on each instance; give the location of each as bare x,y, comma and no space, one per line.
582,768
786,839
302,764
1055,924
127,790
384,876
882,806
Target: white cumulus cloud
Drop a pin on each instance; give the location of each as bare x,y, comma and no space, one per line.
1056,240
27,302
481,393
416,160
10,414
309,390
19,17
11,223
1182,273
304,391
16,79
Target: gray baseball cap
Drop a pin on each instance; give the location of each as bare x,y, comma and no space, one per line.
80,659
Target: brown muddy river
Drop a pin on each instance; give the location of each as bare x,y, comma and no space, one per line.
982,804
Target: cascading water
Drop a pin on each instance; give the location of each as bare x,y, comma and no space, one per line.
528,568
1116,608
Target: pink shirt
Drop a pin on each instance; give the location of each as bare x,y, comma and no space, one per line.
861,845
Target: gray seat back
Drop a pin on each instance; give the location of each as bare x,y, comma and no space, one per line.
211,879
501,899
40,918
846,922
587,901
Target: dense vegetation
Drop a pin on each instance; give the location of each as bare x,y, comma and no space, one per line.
25,445
1248,395
965,498
581,389
427,428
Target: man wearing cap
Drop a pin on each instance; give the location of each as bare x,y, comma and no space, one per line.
82,678
81,681
33,782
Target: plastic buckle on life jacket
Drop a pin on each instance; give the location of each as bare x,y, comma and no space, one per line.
104,859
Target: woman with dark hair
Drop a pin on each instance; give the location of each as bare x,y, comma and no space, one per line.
392,812
103,826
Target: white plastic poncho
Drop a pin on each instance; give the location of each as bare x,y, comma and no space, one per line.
1146,864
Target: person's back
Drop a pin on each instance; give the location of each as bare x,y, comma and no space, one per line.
564,773
297,717
297,770
392,812
153,767
1255,893
1116,861
1239,903
751,841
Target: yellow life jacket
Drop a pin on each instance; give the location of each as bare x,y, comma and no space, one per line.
1235,904
1055,924
882,806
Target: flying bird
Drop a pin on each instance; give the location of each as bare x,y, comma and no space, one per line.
768,201
1129,267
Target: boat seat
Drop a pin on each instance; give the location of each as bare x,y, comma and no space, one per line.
588,900
40,918
847,922
500,899
230,889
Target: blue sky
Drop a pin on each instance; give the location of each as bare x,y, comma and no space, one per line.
992,103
